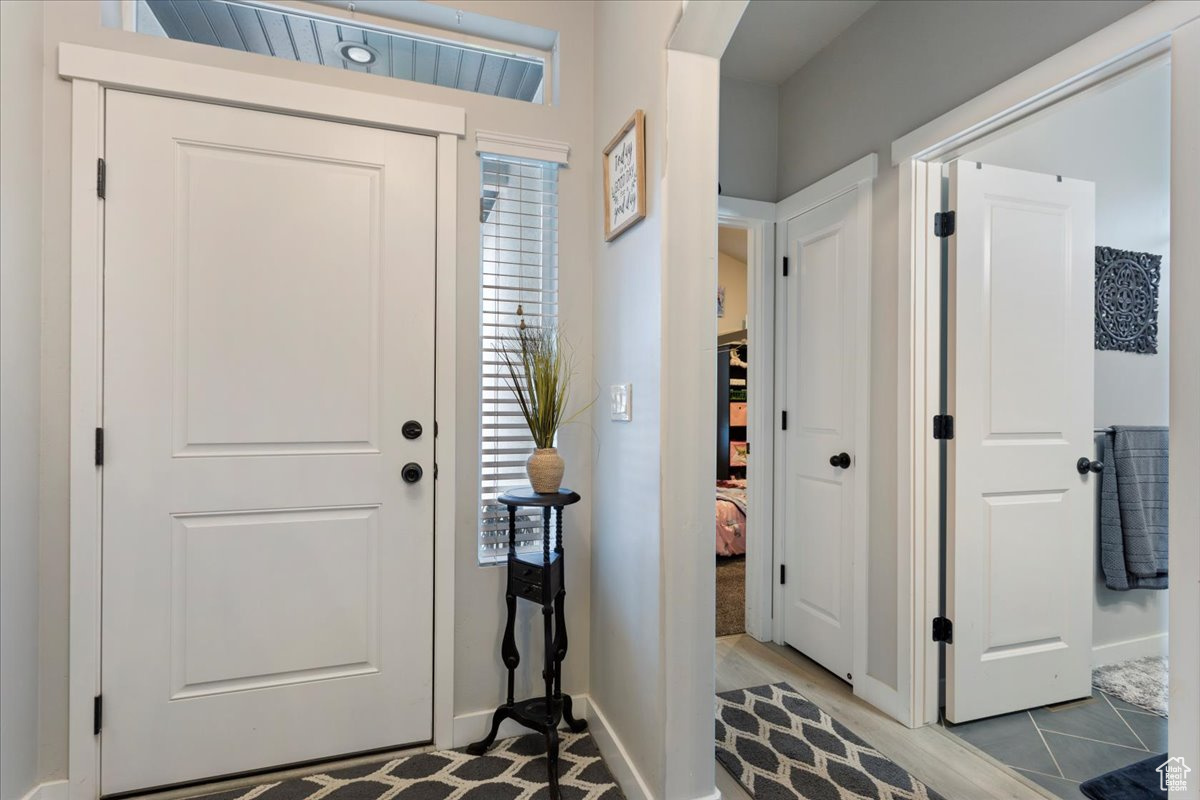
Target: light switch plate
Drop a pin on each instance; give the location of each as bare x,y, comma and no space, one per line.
621,401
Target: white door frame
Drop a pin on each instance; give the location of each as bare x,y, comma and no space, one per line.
1143,36
92,71
758,220
861,176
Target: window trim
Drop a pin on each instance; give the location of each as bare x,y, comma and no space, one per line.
501,147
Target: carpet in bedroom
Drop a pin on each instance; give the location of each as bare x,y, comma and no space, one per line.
731,595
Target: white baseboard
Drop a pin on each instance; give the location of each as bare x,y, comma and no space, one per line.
473,726
50,790
616,757
1114,652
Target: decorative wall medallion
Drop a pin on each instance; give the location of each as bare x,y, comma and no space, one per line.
1127,300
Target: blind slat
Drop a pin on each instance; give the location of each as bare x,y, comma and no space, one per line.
518,267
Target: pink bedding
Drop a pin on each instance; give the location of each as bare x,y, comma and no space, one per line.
731,517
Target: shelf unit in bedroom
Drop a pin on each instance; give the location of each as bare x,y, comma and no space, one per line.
731,403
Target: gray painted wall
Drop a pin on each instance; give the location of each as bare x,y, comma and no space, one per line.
1120,138
627,277
901,65
749,139
20,342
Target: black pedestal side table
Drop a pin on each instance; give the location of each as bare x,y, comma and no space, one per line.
539,580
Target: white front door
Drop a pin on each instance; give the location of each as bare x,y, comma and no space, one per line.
267,572
819,465
1020,551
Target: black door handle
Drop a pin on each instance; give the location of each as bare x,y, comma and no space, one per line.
411,472
412,429
840,460
1086,465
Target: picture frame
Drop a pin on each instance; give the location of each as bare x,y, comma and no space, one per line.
625,177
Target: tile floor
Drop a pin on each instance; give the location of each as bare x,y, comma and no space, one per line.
1060,747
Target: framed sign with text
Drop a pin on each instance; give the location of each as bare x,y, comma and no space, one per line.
625,177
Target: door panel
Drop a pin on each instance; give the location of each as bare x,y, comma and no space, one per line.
820,401
1020,550
268,328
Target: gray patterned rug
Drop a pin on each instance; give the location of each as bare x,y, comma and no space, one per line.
515,769
780,746
1141,682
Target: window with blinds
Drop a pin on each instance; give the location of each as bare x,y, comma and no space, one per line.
518,215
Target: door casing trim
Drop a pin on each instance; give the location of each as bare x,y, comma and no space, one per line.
859,176
758,220
94,70
1142,37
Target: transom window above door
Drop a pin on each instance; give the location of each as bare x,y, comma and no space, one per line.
414,53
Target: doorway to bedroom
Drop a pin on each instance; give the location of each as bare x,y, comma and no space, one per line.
732,435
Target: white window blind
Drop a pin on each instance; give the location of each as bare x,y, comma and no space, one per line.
518,215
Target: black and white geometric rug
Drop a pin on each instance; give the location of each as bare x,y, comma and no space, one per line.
515,769
780,746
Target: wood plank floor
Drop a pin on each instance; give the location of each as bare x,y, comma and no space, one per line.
943,762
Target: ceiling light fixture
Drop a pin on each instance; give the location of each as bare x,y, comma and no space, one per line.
357,53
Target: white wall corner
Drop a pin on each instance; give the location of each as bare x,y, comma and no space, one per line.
50,790
616,757
515,146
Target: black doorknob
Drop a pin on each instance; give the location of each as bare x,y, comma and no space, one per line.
411,472
1086,465
412,429
840,460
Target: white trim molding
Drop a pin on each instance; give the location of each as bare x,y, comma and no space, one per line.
758,220
623,768
50,790
516,146
119,70
474,725
1129,649
828,188
92,71
1142,35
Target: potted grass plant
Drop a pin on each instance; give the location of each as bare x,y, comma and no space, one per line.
540,368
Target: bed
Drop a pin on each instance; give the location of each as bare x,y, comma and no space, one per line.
731,517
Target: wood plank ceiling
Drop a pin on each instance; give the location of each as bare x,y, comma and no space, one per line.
312,40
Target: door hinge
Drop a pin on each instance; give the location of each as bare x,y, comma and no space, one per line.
97,713
101,177
99,447
943,426
785,266
782,574
943,224
784,420
943,630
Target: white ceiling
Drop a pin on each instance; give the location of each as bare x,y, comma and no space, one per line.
776,37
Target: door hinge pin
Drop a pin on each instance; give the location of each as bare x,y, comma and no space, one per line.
97,713
785,266
943,426
784,420
99,447
782,574
943,224
101,177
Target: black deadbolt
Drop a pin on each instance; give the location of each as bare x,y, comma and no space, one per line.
1086,465
412,429
411,472
840,460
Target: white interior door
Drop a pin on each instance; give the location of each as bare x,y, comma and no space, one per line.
824,248
268,328
1020,551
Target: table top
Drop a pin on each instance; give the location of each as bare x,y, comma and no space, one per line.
526,496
